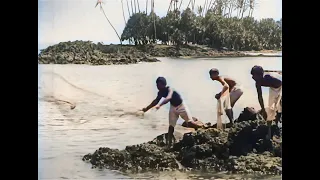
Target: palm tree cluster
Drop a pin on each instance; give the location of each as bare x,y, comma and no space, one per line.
212,25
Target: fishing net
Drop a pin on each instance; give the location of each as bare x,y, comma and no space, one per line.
79,104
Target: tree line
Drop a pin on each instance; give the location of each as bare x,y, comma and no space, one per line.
213,24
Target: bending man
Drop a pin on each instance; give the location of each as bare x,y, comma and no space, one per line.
177,108
275,94
228,85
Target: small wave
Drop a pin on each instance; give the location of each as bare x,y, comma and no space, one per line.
109,129
54,124
47,158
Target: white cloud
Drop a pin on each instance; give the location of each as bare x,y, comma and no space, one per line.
79,19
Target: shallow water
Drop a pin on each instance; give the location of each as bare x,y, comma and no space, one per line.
102,93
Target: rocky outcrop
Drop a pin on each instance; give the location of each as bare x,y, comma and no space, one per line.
86,52
243,148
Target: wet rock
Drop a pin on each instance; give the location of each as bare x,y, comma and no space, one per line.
248,113
242,148
264,163
136,158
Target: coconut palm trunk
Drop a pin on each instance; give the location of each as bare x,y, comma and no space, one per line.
189,3
124,18
128,8
180,4
243,8
138,6
252,2
204,7
230,10
193,3
147,7
209,5
132,7
154,22
169,6
110,23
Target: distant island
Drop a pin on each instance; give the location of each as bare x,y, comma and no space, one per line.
185,34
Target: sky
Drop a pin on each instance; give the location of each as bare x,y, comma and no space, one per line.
69,20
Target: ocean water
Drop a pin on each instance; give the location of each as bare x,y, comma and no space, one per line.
102,93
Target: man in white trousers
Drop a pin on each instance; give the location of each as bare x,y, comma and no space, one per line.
275,95
177,107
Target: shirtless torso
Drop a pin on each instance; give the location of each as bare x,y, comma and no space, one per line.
232,83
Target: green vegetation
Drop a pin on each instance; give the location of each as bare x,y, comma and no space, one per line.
212,29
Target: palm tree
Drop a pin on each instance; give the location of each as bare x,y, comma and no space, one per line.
154,21
169,8
204,7
138,6
147,7
124,18
193,4
251,5
99,2
128,8
180,5
132,8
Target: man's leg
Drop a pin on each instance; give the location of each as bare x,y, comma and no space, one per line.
228,108
185,114
273,107
173,117
235,96
229,114
279,112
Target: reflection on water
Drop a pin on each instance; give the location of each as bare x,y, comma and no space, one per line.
102,95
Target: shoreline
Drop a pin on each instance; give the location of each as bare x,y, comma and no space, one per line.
221,56
86,52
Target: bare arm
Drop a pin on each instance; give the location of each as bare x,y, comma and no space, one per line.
224,84
152,104
168,98
260,98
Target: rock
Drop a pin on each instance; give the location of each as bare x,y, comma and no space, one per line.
243,148
248,113
86,52
136,158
